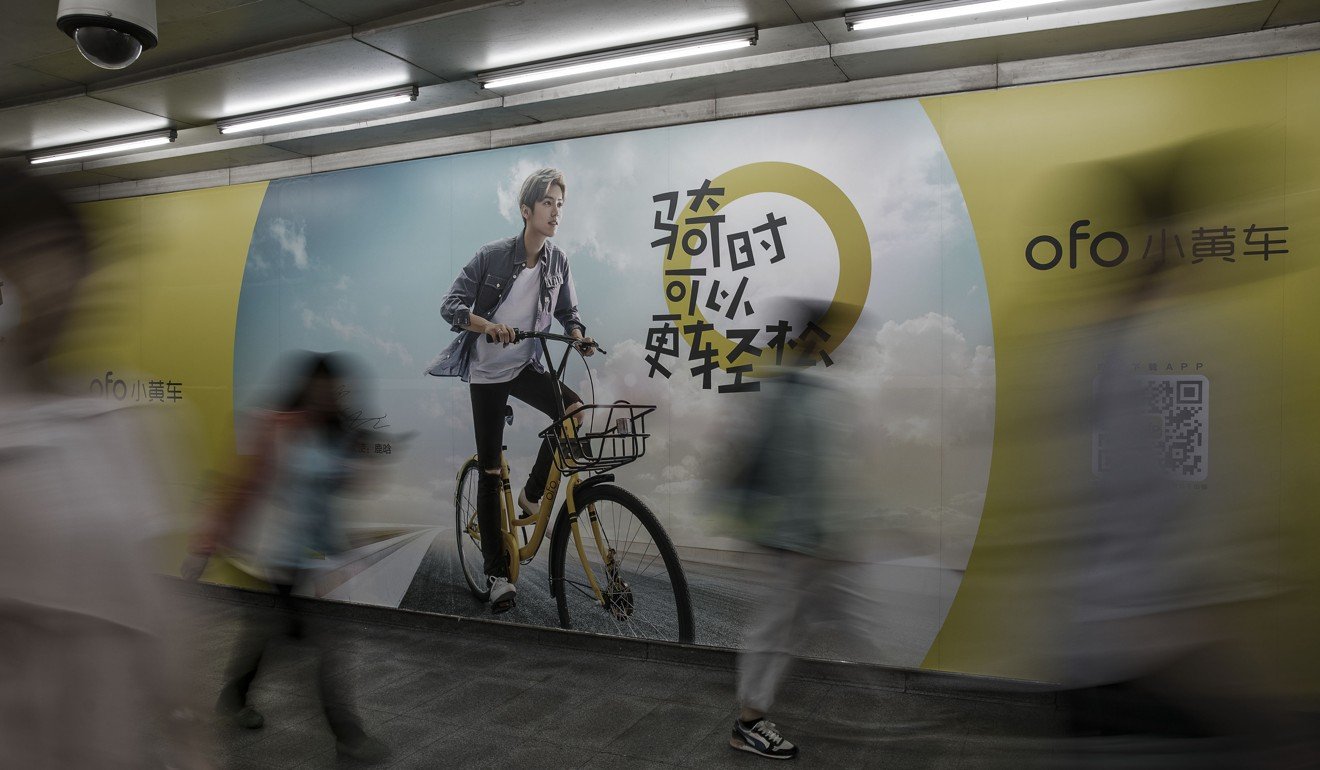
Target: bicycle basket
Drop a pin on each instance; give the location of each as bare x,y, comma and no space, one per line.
611,435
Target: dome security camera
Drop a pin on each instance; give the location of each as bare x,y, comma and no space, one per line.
110,33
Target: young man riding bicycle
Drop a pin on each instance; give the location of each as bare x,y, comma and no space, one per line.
521,282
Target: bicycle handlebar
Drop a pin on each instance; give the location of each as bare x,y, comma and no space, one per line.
520,335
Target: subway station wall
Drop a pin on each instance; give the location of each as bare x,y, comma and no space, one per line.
992,240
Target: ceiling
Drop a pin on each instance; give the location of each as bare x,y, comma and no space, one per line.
221,58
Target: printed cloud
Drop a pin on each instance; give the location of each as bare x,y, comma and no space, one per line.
925,382
292,239
352,332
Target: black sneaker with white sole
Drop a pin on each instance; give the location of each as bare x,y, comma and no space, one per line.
503,594
761,737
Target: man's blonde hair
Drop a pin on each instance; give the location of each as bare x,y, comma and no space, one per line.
537,185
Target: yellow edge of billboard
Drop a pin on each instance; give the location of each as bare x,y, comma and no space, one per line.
161,306
1007,146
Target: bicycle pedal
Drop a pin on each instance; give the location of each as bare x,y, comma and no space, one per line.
497,608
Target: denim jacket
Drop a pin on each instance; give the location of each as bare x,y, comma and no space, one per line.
482,287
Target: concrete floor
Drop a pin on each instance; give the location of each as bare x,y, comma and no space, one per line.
484,697
451,692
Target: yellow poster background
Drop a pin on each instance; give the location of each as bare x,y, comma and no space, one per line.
1034,160
160,305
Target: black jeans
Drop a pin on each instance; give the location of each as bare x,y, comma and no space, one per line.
536,389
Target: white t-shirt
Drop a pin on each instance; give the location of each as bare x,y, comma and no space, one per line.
493,362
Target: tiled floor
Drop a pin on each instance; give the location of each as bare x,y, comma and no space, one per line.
464,694
452,699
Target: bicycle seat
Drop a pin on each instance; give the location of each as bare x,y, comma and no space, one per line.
508,414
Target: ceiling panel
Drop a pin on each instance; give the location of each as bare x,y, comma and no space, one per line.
800,75
411,131
733,83
70,179
362,11
188,164
190,37
31,32
509,34
170,11
291,77
904,61
18,84
619,100
817,10
69,121
1295,12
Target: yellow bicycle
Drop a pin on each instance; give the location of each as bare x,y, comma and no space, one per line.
613,568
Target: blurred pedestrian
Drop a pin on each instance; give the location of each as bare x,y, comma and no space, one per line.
280,511
791,494
1158,583
85,675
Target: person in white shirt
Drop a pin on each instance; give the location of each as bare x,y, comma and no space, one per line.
521,282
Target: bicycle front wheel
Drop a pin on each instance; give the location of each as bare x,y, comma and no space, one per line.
470,561
616,572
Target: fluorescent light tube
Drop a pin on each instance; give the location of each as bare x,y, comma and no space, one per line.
901,14
103,147
617,58
314,110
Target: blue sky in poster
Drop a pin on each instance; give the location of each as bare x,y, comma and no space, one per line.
360,259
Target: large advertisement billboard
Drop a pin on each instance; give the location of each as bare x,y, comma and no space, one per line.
962,245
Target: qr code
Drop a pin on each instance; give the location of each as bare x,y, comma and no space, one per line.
1179,414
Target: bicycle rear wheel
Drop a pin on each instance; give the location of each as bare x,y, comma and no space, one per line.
620,545
470,561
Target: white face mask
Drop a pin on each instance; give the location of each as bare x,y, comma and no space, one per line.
10,308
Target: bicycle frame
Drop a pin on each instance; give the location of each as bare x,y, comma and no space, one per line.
513,521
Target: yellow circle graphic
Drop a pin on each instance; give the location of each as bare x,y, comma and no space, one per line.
840,216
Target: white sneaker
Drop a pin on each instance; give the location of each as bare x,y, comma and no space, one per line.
528,507
502,594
